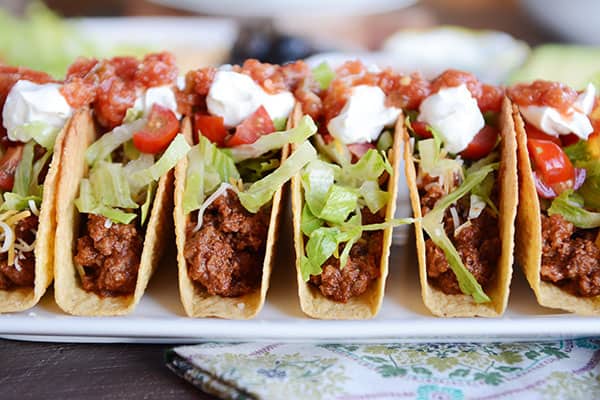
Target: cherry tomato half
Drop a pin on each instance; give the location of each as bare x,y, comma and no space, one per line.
211,127
420,129
551,164
8,164
161,128
482,144
253,127
535,133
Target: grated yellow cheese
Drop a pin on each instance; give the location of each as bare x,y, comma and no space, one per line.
11,217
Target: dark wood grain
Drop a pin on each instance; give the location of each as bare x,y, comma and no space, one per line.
88,371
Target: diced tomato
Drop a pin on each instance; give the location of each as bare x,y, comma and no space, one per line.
421,130
551,164
161,128
535,133
8,164
256,125
569,139
482,144
359,149
211,127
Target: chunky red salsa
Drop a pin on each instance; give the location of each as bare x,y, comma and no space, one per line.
544,93
111,85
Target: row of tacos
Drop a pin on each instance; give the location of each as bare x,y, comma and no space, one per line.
93,165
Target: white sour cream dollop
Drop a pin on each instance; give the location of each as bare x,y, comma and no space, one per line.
549,120
453,112
29,102
161,95
363,117
235,96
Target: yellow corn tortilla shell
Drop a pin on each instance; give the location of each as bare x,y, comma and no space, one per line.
69,294
529,238
197,302
20,299
460,305
367,305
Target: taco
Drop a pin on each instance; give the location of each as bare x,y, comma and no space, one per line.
35,117
558,135
344,201
228,188
460,162
115,185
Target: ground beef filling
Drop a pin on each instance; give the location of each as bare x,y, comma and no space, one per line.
478,243
363,266
570,256
109,254
225,256
22,272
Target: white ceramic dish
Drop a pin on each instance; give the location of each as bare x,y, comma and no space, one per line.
159,317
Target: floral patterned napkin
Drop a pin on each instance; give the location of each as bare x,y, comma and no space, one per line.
567,369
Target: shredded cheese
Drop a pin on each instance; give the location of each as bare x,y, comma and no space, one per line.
455,218
8,237
33,207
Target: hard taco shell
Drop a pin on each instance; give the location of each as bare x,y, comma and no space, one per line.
367,305
20,299
445,305
529,238
69,294
197,302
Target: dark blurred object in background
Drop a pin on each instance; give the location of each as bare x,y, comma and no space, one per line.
258,39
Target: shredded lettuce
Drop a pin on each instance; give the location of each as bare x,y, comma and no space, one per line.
570,206
336,151
254,169
103,147
87,202
261,192
309,222
132,114
375,198
323,242
110,185
274,141
208,167
42,133
434,162
177,149
370,167
385,141
23,173
340,201
590,190
317,178
13,201
323,75
577,151
432,224
280,123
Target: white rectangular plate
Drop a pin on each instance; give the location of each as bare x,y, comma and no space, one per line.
160,318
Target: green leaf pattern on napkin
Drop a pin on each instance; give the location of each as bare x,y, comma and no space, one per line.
553,370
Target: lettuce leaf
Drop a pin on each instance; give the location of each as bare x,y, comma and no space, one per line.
110,185
375,198
101,148
323,75
339,202
261,192
178,148
208,167
42,133
590,190
13,201
569,205
433,225
24,170
87,203
274,141
308,222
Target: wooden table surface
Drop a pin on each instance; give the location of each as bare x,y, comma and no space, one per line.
124,371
